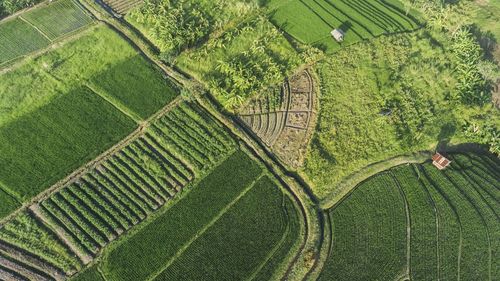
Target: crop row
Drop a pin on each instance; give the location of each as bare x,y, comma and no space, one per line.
133,182
30,251
453,220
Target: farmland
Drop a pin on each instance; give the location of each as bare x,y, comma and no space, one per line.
359,20
198,228
39,28
452,223
80,113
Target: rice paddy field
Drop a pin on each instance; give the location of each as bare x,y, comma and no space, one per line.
38,28
311,21
62,109
417,222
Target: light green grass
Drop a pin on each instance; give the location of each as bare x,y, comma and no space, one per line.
311,21
17,39
58,18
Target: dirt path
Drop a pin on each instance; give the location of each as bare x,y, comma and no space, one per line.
408,226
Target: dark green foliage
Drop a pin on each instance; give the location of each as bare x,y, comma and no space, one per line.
137,85
90,274
11,6
39,148
369,233
174,25
423,239
160,240
255,225
453,215
8,204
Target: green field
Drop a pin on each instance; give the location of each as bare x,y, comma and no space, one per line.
182,240
311,21
59,18
453,225
136,85
40,148
58,122
36,29
9,204
17,38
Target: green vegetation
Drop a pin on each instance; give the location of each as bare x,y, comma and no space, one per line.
90,274
137,180
59,18
311,21
27,233
400,100
8,7
242,227
174,26
452,228
70,130
164,237
18,38
242,62
37,28
9,204
136,85
369,233
73,123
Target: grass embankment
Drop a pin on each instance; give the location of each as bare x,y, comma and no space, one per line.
453,228
52,123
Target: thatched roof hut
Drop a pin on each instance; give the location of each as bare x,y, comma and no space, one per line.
338,34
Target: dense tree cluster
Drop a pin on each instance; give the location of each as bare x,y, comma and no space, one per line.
8,7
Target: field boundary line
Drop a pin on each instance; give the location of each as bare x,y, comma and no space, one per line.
79,172
277,246
436,215
4,188
115,103
349,183
206,227
438,190
479,213
408,224
36,28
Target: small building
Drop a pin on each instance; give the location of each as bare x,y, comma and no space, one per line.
440,161
338,34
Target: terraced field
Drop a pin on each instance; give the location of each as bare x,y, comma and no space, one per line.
282,117
311,21
98,206
417,222
38,28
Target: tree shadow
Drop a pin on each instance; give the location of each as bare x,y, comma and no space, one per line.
345,26
486,40
444,136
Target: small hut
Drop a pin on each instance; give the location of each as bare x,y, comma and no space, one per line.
338,34
440,161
